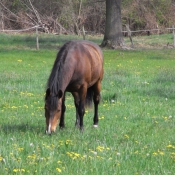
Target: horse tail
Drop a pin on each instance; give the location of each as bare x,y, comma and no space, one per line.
89,97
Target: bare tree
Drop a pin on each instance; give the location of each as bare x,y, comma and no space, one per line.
113,36
1,19
70,16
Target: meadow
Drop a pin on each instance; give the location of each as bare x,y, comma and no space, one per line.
137,115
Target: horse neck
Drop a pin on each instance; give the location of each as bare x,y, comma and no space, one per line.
64,80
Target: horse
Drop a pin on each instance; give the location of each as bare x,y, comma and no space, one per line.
78,69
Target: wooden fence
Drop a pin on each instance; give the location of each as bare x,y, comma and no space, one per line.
127,32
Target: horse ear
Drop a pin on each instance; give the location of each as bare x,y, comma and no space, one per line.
60,94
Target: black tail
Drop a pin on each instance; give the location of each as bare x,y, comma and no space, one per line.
89,97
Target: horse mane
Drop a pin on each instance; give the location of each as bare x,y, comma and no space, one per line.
53,82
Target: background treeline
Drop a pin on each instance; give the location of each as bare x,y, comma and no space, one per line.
71,16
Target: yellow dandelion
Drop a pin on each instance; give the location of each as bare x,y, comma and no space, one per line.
29,94
100,148
25,106
68,142
58,169
102,117
136,152
126,136
16,170
99,157
165,118
76,154
161,153
154,154
20,149
14,107
170,146
19,60
22,93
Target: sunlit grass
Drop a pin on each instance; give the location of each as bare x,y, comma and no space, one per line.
136,117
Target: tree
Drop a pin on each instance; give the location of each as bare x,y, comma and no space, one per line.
113,36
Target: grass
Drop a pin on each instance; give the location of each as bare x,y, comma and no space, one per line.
137,114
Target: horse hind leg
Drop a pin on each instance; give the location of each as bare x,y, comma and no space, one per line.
81,107
96,99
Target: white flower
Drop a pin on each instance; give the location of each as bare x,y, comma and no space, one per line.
31,144
118,154
112,101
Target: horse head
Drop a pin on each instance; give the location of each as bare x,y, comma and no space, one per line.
53,109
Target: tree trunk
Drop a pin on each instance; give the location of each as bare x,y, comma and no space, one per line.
113,37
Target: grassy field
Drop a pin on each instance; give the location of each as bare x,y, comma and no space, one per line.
137,114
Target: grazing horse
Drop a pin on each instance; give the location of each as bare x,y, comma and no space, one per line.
78,69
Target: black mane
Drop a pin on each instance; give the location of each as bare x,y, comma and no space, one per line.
53,82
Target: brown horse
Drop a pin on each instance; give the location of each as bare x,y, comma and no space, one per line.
78,69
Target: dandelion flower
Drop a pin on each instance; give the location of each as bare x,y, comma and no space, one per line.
170,146
58,169
155,154
1,158
126,136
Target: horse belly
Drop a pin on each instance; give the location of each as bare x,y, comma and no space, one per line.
73,87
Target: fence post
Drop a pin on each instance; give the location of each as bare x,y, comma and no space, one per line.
174,36
129,35
84,33
37,39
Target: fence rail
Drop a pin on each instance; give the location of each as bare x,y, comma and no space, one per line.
21,30
128,31
124,31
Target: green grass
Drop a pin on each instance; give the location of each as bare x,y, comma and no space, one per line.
137,114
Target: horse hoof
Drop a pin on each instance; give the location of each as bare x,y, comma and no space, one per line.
48,133
62,127
95,126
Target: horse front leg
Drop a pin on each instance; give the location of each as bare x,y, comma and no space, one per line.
76,103
63,109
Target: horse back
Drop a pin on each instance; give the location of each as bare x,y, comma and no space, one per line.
87,58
